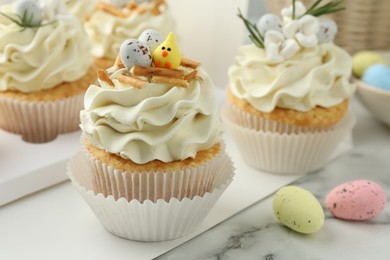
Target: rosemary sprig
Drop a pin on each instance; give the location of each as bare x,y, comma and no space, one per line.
25,21
331,7
293,9
314,10
254,34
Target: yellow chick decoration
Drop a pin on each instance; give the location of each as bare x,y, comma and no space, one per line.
167,55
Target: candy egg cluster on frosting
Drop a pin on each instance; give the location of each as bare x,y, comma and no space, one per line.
299,29
150,59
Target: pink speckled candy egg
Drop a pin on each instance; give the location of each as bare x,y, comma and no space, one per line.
356,200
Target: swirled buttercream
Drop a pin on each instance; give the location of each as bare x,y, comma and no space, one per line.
34,59
107,32
317,76
157,122
81,8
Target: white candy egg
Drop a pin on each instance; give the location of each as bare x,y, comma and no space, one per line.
30,11
134,52
152,38
327,31
287,12
269,22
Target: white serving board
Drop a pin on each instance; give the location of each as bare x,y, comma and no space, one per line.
26,168
64,215
57,223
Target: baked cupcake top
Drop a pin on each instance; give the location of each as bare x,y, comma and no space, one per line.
157,106
41,46
292,62
117,20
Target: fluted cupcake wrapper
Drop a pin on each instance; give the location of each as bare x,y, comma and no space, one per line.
292,153
186,182
39,122
148,220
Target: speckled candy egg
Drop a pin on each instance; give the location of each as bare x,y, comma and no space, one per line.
327,31
134,52
152,38
298,209
356,200
30,11
378,75
269,22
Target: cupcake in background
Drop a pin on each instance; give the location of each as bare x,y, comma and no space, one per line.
114,21
289,92
153,162
45,68
82,9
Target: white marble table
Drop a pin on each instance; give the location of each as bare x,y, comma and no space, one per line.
255,233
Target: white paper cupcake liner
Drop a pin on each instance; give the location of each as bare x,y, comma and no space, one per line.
286,154
147,221
39,122
152,185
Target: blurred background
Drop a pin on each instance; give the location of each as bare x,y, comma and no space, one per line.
363,25
211,32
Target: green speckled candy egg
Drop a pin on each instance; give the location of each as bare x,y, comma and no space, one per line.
298,209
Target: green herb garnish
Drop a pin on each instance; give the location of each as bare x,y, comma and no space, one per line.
314,10
25,21
254,34
331,7
293,9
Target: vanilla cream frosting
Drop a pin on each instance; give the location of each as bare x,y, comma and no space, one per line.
81,8
34,59
157,122
107,31
317,76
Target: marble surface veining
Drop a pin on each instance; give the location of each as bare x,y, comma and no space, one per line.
255,233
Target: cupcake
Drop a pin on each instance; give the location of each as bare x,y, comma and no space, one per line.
45,68
152,162
289,91
82,9
115,21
